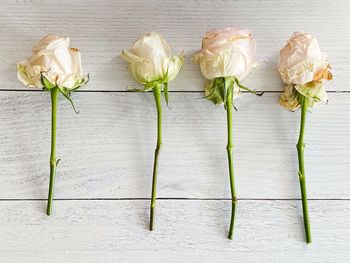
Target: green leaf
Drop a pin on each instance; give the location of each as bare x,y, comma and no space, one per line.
221,88
46,83
310,102
213,88
165,78
151,85
66,93
229,87
147,87
166,93
247,89
136,90
210,88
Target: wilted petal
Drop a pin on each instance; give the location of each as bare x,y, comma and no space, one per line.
175,65
289,98
228,52
51,42
52,57
77,68
301,59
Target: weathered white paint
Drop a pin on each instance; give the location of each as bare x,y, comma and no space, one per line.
107,149
101,29
191,231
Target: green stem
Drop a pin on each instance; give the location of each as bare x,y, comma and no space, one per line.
54,95
301,147
229,148
157,96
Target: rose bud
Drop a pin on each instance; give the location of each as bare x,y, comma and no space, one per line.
150,59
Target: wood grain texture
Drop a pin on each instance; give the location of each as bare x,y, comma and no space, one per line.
101,29
110,231
107,149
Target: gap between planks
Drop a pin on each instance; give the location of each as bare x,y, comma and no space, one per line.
170,91
172,199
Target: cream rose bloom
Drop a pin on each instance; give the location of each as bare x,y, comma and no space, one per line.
228,52
302,61
53,58
303,67
150,59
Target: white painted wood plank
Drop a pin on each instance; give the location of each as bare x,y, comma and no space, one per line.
116,231
103,28
107,150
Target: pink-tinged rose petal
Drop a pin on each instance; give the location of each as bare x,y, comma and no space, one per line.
228,52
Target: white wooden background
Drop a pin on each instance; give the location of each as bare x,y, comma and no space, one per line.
104,179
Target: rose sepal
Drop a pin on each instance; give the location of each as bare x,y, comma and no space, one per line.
66,92
218,89
150,86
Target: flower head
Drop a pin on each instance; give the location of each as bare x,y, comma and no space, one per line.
150,59
228,52
227,57
303,67
53,59
301,60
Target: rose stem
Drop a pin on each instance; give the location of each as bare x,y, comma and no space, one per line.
157,96
229,147
300,147
54,95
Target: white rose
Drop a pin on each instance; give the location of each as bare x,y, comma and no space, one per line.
301,60
150,59
53,58
303,67
228,52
